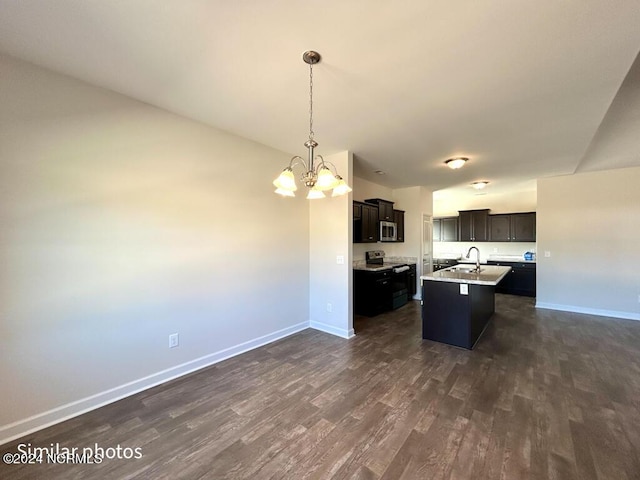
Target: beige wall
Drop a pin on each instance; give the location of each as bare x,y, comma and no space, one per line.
590,225
331,227
519,198
416,202
121,224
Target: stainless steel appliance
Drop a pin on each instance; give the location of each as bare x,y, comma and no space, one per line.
399,273
388,231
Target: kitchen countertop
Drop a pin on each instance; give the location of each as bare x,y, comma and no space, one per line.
488,275
509,258
380,268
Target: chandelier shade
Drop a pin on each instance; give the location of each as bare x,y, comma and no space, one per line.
341,188
315,193
286,181
317,175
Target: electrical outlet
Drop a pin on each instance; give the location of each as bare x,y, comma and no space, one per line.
329,307
340,259
547,253
174,340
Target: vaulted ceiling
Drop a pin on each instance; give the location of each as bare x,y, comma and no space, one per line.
524,89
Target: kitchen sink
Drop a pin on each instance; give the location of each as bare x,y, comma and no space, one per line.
465,269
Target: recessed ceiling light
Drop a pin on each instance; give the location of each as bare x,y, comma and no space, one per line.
455,163
479,185
380,172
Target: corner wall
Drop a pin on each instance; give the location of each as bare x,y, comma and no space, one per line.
590,225
121,224
416,202
331,234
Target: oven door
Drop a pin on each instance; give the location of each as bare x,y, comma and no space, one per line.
387,232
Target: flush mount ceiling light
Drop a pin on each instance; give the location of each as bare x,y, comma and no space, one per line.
318,177
455,163
479,185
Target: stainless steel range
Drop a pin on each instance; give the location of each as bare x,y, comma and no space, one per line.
399,292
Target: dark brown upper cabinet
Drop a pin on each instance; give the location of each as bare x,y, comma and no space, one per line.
512,227
365,223
385,209
445,229
473,225
398,218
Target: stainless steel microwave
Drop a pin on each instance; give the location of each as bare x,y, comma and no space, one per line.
388,231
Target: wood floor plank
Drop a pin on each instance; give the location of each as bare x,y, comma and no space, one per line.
544,395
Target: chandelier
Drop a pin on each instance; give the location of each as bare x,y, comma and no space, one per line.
319,175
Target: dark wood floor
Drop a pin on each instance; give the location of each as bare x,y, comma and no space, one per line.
544,395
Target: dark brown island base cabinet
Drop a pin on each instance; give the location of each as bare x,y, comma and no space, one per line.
365,223
473,225
452,318
512,227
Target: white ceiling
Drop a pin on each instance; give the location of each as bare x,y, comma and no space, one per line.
521,87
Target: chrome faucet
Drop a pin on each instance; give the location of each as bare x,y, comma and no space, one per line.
477,257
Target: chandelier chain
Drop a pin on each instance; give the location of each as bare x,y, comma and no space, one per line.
311,101
317,178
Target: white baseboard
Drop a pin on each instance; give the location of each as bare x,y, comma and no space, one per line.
340,332
589,311
42,420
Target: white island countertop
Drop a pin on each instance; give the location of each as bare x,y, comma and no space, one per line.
488,275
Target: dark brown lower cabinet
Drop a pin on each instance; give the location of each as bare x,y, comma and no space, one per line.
520,281
372,292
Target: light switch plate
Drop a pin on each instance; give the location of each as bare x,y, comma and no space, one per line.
547,253
340,259
464,289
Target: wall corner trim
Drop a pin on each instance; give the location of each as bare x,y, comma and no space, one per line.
339,332
589,311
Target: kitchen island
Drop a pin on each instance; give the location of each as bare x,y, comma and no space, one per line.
458,302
